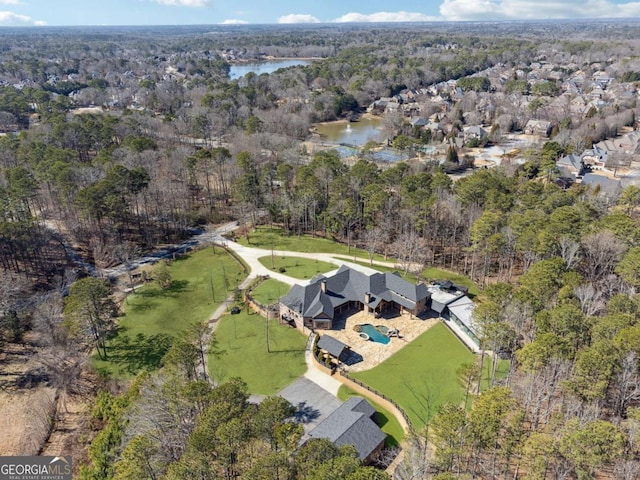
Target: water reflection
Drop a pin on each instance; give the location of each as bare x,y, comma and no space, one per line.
352,133
385,155
239,70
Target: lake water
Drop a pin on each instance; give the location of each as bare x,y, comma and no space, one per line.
388,155
241,69
354,133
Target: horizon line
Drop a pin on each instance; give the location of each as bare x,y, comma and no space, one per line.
334,23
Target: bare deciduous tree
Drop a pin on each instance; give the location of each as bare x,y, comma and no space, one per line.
416,460
627,383
64,366
569,251
165,416
63,358
591,299
373,238
626,469
601,253
411,251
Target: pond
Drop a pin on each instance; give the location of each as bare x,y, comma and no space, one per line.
384,155
239,70
353,133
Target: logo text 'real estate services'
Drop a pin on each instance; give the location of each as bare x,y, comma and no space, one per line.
35,468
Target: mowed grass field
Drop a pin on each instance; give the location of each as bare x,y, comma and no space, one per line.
276,239
243,338
153,316
297,267
423,374
269,291
433,273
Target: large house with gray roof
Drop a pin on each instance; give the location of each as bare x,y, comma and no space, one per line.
316,305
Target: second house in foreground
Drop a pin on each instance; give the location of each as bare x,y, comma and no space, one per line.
351,424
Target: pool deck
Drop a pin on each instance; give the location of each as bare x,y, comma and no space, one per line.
373,352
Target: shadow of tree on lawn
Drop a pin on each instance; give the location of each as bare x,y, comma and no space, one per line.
137,353
176,287
150,298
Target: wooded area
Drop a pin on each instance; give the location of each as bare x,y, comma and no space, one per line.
118,141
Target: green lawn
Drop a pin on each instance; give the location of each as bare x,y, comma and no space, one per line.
275,238
243,338
269,291
153,316
502,370
296,267
433,273
422,375
383,418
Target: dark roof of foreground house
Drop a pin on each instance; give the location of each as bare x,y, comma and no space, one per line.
351,424
332,345
351,285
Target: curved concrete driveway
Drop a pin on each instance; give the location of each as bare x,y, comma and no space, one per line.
251,255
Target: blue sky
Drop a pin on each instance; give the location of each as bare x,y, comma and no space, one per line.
184,12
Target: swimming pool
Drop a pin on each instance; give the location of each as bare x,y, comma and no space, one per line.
374,334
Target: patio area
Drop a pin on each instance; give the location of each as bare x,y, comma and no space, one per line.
373,352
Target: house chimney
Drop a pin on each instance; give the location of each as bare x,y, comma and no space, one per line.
323,286
367,299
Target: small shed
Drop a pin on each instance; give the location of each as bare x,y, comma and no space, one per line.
334,347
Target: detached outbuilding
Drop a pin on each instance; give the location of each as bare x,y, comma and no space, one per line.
352,424
334,347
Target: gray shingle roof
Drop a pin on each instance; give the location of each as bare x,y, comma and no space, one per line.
408,290
309,301
571,160
608,186
351,424
332,345
348,285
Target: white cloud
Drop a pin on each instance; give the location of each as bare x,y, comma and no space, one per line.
298,18
535,9
386,17
184,3
234,21
10,2
11,19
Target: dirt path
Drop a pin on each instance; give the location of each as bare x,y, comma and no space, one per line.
63,437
